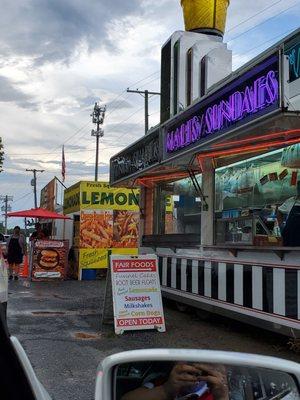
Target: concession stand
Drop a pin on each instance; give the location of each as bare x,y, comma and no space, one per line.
229,160
48,258
105,219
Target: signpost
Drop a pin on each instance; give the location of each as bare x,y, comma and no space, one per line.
136,293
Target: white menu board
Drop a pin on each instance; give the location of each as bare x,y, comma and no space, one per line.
136,293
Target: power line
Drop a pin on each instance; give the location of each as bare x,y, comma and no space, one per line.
263,22
124,91
56,152
148,83
22,197
34,183
109,113
145,94
6,208
135,83
253,16
266,42
70,137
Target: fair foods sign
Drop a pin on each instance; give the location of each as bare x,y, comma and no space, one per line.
136,293
245,99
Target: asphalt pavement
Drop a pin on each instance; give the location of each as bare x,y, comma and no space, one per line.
58,324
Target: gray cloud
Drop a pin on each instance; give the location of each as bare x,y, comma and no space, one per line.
127,128
50,31
80,168
9,93
118,105
74,147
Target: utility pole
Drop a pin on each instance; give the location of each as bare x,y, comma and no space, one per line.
6,208
145,94
98,119
33,183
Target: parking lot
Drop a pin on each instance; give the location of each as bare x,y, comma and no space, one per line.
59,326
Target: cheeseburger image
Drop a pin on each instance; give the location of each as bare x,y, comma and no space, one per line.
48,259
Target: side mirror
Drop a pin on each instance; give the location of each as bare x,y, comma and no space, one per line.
167,374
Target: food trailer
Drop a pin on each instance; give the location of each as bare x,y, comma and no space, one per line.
47,257
230,161
104,219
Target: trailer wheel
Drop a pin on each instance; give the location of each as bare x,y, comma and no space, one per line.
202,314
181,307
294,345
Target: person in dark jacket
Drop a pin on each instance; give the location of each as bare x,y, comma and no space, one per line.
16,248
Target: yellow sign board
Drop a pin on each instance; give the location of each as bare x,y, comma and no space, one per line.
93,258
169,204
72,199
100,196
109,219
98,258
92,195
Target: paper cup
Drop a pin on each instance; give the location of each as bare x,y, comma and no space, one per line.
205,16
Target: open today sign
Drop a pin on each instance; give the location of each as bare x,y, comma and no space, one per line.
136,293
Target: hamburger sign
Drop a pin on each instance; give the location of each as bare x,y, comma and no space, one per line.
49,259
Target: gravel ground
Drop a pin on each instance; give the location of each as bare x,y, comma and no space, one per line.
51,319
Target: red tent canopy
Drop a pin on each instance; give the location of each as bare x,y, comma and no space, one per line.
37,213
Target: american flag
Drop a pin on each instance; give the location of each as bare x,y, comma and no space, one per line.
63,164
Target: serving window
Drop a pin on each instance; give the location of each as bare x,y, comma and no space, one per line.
254,198
178,208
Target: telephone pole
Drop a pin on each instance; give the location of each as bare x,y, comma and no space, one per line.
98,119
6,208
145,94
33,183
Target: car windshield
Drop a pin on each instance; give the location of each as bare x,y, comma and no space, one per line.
150,195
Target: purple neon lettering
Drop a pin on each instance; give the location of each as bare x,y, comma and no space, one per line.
246,104
261,85
272,87
225,112
209,120
196,131
188,132
170,142
263,92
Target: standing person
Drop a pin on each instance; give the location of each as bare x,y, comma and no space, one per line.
16,248
38,233
288,216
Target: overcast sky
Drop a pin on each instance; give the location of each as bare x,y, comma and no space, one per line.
57,57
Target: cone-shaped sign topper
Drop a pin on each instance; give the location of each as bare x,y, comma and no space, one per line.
205,16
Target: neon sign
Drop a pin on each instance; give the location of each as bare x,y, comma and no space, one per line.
293,54
253,94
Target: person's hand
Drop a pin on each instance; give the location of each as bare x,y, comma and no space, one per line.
216,379
181,376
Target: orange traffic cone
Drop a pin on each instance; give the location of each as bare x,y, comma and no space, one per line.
24,268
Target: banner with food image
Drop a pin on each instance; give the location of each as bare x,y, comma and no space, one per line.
96,229
125,229
49,260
